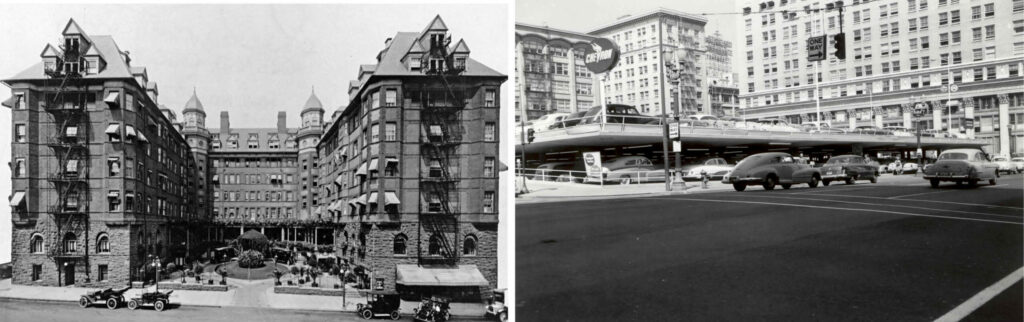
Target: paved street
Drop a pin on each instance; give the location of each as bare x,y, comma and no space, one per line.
45,311
893,251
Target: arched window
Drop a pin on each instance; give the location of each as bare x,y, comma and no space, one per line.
400,244
70,243
434,247
103,243
36,244
469,246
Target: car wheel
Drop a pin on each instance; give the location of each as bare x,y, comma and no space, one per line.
850,180
992,181
826,182
112,304
874,179
624,180
159,305
395,315
814,181
133,305
972,183
366,314
84,302
503,316
769,183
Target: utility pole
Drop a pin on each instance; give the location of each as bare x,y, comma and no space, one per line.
663,106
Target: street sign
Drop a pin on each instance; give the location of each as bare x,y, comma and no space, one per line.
816,48
953,88
601,56
969,123
920,109
673,130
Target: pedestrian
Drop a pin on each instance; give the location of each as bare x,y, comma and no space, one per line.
704,178
899,167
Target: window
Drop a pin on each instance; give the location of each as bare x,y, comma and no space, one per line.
19,102
469,246
490,98
70,243
114,200
488,201
435,168
36,244
37,272
488,167
990,9
19,133
374,132
391,97
489,131
103,244
990,32
390,131
19,168
434,246
399,247
114,164
101,273
943,18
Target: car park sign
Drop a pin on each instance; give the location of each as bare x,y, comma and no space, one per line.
601,56
920,108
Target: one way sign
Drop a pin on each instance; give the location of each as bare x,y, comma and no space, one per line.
816,48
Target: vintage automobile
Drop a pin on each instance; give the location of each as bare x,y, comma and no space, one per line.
551,171
771,169
569,120
158,300
910,168
545,122
111,297
380,304
1018,162
432,310
848,168
1004,164
496,309
616,114
962,166
715,168
630,169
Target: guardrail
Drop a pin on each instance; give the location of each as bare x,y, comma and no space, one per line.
576,176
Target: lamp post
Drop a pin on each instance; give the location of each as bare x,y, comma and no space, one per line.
155,262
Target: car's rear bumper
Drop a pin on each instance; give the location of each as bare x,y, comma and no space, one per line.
746,180
946,177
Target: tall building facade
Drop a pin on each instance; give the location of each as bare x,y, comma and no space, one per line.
898,54
102,180
409,168
720,94
551,76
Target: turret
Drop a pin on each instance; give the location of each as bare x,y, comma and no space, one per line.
194,114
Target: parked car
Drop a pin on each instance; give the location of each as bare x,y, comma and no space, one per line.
380,304
544,122
432,310
899,131
1004,164
960,166
158,300
111,297
715,168
870,130
569,120
848,168
1018,163
630,169
771,169
909,168
496,309
617,114
551,171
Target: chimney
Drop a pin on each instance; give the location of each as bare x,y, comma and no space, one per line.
225,122
282,124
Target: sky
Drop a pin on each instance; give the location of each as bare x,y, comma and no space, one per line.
249,60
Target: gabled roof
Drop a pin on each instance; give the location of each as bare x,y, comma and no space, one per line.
391,62
436,24
50,51
108,50
72,28
417,47
461,47
92,51
138,70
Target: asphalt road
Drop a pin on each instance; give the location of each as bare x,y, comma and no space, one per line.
893,251
46,311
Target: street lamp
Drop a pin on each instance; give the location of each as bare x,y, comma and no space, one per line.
155,263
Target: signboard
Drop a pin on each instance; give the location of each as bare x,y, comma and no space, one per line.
968,123
673,130
816,48
920,109
601,56
592,161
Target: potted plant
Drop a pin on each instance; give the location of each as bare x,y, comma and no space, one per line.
277,277
223,276
199,273
313,274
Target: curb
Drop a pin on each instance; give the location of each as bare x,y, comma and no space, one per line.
550,199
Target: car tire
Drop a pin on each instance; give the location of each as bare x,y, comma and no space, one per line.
814,181
395,315
503,316
826,182
84,302
739,186
935,183
112,304
366,314
133,305
972,183
992,181
786,186
874,179
851,180
769,183
625,180
159,305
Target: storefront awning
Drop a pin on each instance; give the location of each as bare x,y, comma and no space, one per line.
361,199
129,130
373,197
17,198
112,129
142,137
111,99
362,170
373,164
463,275
390,198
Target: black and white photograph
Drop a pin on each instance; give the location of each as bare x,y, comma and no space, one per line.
769,160
256,162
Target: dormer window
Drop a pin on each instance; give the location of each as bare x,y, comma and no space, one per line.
437,64
415,64
460,63
71,44
436,40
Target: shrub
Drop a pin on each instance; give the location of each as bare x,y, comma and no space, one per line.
250,259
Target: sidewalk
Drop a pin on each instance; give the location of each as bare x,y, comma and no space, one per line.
551,191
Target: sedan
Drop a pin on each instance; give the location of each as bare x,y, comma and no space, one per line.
960,166
771,169
714,168
848,168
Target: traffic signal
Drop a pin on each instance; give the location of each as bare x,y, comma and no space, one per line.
529,136
839,42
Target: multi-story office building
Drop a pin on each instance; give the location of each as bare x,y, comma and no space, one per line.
551,76
720,94
409,168
898,54
102,180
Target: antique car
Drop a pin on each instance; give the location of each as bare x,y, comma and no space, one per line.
432,310
496,309
1018,162
616,114
909,168
111,297
1004,164
962,166
551,171
569,120
715,168
771,169
545,122
848,168
630,169
158,300
380,304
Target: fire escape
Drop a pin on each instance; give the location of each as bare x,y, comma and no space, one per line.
440,138
66,103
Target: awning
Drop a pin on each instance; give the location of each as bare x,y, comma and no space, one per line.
390,198
129,194
72,166
340,180
9,102
502,166
17,198
216,177
373,164
71,131
318,210
344,150
112,129
391,160
373,197
463,275
111,99
113,194
129,130
333,206
361,199
142,137
362,170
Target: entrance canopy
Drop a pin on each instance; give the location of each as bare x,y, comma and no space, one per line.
463,275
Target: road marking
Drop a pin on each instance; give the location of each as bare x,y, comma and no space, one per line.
935,201
849,209
896,206
817,190
919,194
976,301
